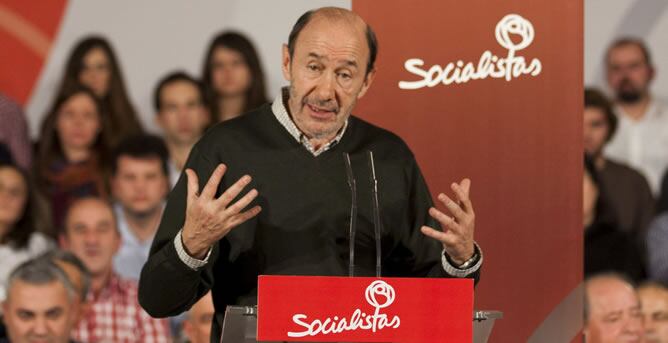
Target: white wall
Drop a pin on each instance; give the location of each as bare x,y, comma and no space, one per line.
153,37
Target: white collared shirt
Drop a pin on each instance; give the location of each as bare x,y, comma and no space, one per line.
642,144
283,117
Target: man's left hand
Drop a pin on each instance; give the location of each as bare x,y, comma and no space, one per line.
457,234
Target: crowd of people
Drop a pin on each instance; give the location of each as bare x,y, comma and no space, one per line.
625,199
80,206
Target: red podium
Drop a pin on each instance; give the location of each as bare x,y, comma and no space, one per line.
359,309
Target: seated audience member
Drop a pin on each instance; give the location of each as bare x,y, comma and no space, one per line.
197,326
40,305
232,76
93,64
605,248
72,151
654,301
139,184
14,132
182,115
114,314
627,190
611,310
19,239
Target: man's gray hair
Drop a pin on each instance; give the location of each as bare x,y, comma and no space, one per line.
40,272
70,258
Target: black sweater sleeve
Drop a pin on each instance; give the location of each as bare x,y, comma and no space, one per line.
168,286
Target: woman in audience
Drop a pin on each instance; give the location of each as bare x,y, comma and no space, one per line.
606,248
19,239
232,76
93,63
73,151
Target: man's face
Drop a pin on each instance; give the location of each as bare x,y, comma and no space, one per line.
327,75
38,313
198,326
615,315
596,130
655,311
140,185
182,115
628,73
91,235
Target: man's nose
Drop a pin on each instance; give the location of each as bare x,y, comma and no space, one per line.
40,327
326,87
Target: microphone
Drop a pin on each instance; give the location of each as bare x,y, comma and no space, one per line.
353,213
376,210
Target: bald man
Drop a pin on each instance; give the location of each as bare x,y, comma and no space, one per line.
612,311
274,197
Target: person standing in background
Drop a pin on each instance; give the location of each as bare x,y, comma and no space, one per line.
73,151
93,64
181,113
641,140
232,75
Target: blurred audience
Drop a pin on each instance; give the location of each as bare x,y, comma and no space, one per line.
629,195
40,305
657,249
654,301
114,313
19,238
93,63
14,132
606,248
197,326
612,311
233,77
73,151
641,140
139,184
182,115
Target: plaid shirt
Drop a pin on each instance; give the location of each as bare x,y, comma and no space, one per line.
115,316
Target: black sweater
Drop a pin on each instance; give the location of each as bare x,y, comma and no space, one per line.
303,226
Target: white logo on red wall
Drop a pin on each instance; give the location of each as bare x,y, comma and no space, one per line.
379,294
489,66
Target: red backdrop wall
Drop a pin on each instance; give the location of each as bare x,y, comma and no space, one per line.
519,141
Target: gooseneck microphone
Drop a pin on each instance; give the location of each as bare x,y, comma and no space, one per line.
376,210
353,213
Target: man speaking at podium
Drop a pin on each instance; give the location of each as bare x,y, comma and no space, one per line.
270,192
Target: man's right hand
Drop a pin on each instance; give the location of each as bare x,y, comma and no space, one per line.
209,219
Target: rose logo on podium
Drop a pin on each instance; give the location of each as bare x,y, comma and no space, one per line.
379,294
489,65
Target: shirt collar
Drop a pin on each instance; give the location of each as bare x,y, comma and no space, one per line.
280,111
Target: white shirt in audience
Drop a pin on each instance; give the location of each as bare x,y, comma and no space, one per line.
643,144
133,253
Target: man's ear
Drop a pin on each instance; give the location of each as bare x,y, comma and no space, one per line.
368,80
285,63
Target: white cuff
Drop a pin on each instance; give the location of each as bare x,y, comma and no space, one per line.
189,261
456,272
